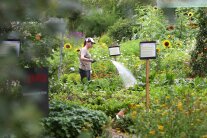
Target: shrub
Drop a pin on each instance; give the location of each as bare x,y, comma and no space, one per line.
106,39
68,121
121,30
96,23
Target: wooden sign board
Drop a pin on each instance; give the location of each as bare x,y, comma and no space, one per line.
8,45
114,51
148,50
181,3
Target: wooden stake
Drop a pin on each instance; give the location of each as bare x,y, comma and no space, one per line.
147,85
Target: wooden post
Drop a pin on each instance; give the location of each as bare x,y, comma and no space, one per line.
147,84
61,56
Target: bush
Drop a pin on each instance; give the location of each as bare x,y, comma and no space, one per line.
96,23
69,121
106,39
121,30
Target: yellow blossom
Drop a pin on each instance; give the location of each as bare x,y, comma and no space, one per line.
160,127
204,136
180,106
152,132
134,114
67,46
164,113
179,43
77,50
169,36
190,14
138,106
167,97
157,50
166,44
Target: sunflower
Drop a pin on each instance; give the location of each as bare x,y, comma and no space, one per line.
67,46
77,50
179,43
166,43
155,8
190,14
170,27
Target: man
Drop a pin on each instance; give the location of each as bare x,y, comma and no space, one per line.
85,59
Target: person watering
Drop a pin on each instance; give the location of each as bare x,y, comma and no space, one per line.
86,60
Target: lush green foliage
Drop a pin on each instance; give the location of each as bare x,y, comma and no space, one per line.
175,111
66,121
96,22
177,102
121,30
172,95
37,44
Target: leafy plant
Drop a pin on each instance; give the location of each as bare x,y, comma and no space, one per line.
121,30
68,121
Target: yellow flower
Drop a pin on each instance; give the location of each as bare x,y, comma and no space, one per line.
138,106
77,50
167,97
134,114
179,43
164,113
180,106
160,127
157,50
190,14
163,105
132,106
169,36
155,8
67,46
166,43
152,132
204,136
118,130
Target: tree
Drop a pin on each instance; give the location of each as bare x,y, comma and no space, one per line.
199,54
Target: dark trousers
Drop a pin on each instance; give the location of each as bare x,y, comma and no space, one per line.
85,74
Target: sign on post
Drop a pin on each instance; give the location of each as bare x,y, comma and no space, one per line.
9,45
114,51
147,51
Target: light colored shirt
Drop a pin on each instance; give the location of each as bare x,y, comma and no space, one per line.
84,65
